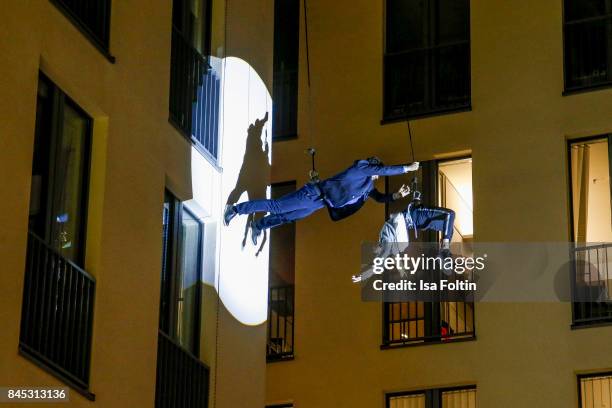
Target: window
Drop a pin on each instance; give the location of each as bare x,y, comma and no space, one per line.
181,376
595,390
588,44
181,290
195,85
60,172
458,397
281,285
427,57
92,17
57,309
286,56
591,230
447,184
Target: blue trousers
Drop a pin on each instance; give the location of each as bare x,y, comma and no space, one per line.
433,218
290,207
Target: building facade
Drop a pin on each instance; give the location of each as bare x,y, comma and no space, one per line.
125,127
508,103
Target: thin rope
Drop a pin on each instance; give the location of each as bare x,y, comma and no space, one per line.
216,369
310,130
410,138
306,38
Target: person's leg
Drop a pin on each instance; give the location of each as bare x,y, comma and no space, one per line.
274,220
299,199
435,218
296,200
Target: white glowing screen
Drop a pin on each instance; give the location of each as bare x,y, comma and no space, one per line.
246,158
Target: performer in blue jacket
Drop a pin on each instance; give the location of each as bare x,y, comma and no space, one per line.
395,232
343,195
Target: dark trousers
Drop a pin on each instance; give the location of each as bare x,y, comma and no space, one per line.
434,218
290,207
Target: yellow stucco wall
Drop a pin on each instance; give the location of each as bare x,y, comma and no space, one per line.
136,154
525,355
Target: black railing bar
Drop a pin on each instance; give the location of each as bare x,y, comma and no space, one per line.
594,246
61,313
182,349
62,371
80,311
66,326
54,251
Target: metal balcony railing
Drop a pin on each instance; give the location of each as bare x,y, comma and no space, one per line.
592,284
195,90
280,323
182,379
57,313
91,16
427,322
445,320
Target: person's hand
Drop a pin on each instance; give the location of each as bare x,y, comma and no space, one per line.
356,278
412,167
403,191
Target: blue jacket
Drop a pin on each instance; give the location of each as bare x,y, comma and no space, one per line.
346,192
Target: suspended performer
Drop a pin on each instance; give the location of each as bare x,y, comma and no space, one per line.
394,234
343,195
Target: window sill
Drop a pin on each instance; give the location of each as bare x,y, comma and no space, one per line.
85,31
396,119
593,324
426,343
280,359
41,363
284,138
585,89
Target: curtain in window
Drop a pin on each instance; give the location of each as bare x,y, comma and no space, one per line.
596,392
408,401
459,399
580,177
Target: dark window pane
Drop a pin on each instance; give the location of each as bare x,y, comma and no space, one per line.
578,9
406,25
281,285
420,77
92,15
286,57
587,46
69,195
405,83
60,169
453,21
282,245
452,82
40,162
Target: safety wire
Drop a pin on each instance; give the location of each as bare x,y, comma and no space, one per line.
224,79
415,180
311,150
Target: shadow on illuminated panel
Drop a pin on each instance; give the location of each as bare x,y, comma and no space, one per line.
246,160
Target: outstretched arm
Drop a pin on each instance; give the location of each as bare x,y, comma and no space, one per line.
403,191
377,169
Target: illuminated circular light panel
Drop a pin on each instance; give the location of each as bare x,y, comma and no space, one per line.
243,273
